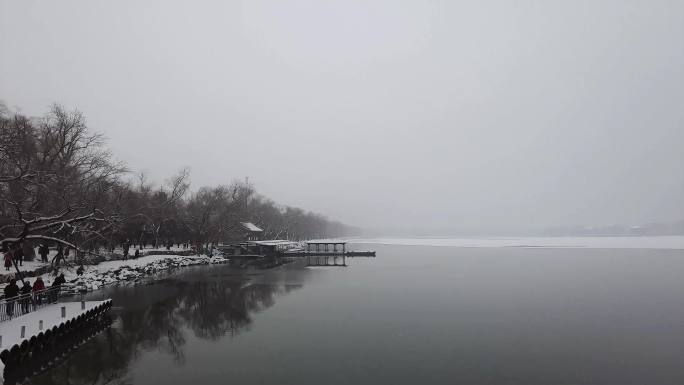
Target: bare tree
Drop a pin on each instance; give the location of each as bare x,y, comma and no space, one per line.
56,181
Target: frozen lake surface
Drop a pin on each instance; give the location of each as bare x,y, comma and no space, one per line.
604,242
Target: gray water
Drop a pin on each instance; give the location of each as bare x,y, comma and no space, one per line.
413,315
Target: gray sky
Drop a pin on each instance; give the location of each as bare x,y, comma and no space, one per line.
462,115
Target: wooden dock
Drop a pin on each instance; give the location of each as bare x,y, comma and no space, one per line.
326,253
348,254
317,253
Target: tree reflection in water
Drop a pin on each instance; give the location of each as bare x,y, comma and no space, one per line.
159,316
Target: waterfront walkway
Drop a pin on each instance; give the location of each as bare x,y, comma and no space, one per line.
42,320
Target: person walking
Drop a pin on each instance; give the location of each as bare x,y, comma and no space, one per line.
60,254
26,297
57,284
8,259
11,292
38,287
126,248
19,255
43,250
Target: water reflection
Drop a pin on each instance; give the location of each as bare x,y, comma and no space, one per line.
161,316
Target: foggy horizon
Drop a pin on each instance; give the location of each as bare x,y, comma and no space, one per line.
405,117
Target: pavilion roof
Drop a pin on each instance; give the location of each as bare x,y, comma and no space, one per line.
251,227
326,241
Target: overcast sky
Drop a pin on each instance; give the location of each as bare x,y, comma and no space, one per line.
450,115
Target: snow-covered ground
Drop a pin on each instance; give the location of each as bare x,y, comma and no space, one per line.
36,263
635,242
26,266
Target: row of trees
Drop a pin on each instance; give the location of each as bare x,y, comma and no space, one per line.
60,184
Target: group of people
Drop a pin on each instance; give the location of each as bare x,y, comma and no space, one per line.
126,246
14,253
29,296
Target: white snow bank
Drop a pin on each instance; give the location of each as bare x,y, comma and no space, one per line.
26,266
97,276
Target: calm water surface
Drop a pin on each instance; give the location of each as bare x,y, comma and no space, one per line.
413,315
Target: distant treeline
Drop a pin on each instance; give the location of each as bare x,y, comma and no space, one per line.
59,184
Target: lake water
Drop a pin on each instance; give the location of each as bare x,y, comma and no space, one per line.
413,315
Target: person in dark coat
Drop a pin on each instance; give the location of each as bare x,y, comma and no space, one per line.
26,297
137,254
59,280
80,270
126,248
43,250
11,292
58,285
19,255
60,254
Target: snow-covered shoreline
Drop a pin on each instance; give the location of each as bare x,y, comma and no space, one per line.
108,272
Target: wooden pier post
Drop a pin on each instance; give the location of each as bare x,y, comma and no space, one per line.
82,305
23,331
